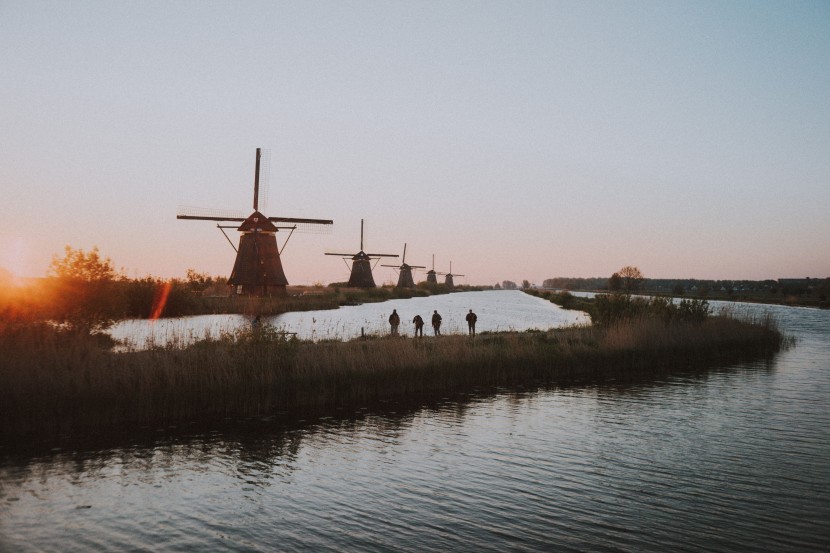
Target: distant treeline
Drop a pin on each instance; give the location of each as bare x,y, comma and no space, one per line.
817,287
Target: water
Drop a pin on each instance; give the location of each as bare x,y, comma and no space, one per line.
734,458
496,310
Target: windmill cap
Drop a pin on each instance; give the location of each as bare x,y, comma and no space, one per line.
257,221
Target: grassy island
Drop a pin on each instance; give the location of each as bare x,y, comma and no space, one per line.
58,381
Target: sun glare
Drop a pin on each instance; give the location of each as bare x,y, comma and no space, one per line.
13,261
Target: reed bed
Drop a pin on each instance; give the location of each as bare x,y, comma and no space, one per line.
57,382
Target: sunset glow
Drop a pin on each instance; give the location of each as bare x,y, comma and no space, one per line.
13,259
529,140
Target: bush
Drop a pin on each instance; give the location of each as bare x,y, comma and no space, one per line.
610,308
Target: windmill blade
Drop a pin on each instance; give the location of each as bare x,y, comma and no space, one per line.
264,178
417,267
306,226
342,254
393,266
300,220
382,255
206,214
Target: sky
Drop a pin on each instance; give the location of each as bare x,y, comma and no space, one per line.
515,140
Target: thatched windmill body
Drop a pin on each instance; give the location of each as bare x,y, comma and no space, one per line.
257,269
405,279
361,272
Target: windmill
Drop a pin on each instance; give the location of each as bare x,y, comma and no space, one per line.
448,277
361,275
257,270
405,279
431,274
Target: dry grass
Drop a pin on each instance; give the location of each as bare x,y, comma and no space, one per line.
55,382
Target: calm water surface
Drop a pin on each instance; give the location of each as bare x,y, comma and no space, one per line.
496,310
730,459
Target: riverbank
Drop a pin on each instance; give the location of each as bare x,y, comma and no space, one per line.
58,384
98,303
788,300
315,298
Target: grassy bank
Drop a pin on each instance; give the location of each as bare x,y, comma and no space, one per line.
96,304
58,382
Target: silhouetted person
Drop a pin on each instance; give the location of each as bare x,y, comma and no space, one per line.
471,322
256,324
394,321
419,325
436,323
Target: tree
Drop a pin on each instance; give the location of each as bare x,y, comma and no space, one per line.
83,287
631,278
82,266
508,285
615,283
198,282
525,284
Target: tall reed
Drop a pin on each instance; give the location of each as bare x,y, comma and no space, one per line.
56,382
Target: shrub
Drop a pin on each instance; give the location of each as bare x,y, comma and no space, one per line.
611,308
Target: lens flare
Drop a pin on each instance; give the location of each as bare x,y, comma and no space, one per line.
160,299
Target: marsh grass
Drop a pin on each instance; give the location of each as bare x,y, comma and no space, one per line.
56,383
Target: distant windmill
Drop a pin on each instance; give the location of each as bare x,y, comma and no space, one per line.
431,274
257,269
405,279
361,275
448,277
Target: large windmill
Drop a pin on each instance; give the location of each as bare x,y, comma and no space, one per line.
448,277
361,275
405,279
257,269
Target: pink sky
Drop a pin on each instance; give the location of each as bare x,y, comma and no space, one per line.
515,141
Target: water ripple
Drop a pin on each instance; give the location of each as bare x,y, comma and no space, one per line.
734,459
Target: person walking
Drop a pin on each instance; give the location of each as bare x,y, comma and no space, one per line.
471,322
419,325
394,321
436,323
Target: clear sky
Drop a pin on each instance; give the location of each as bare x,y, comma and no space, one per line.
519,140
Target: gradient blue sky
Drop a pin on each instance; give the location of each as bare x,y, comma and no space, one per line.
519,140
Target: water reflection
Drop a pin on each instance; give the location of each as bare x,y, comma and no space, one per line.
729,458
276,439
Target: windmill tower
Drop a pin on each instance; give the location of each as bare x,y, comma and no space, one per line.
405,279
432,277
258,269
361,275
448,277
